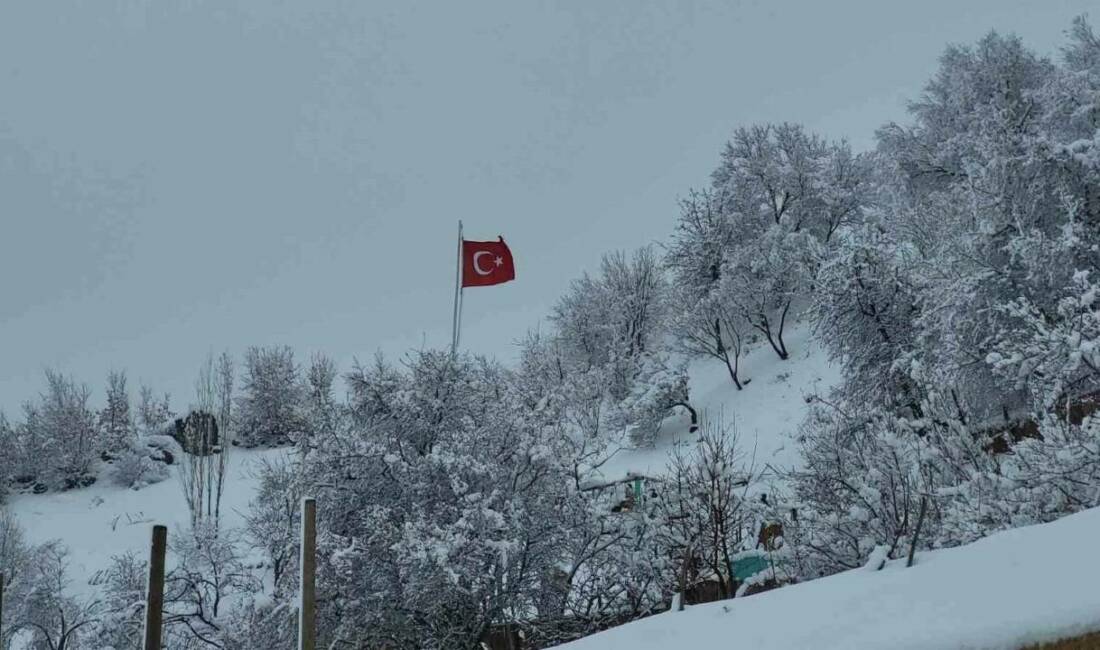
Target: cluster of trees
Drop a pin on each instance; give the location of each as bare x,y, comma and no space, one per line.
456,501
62,440
962,310
64,443
951,273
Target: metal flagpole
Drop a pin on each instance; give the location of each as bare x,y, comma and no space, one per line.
456,319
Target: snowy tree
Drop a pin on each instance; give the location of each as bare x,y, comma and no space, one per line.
660,384
606,366
785,193
437,508
30,459
865,305
54,619
704,236
116,424
321,415
607,320
962,315
207,441
199,592
769,281
614,567
122,620
553,394
982,170
15,560
136,469
59,436
779,174
769,174
272,523
705,321
9,462
267,411
153,413
702,508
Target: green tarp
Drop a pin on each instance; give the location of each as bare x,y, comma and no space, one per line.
747,567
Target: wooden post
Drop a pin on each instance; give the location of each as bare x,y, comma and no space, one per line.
684,578
307,610
154,601
1,609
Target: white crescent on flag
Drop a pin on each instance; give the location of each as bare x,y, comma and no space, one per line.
477,267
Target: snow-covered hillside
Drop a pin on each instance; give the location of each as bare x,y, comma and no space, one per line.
104,520
1008,590
764,414
1022,586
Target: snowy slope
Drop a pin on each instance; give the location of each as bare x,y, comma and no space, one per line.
1027,585
103,520
764,414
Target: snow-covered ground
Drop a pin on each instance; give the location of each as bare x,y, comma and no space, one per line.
1023,586
104,520
765,414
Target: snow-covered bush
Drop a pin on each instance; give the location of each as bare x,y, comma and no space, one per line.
861,486
659,384
135,469
123,585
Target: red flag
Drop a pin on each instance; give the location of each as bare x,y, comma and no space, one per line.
486,263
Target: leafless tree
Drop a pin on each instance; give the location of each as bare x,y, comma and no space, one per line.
703,504
55,620
207,445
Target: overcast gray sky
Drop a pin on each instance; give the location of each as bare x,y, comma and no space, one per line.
184,176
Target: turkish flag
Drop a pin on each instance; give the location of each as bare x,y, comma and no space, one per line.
486,263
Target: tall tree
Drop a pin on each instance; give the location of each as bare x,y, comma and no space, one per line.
705,321
268,408
116,423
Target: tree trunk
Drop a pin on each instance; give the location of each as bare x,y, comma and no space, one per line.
782,349
765,328
732,367
916,533
694,415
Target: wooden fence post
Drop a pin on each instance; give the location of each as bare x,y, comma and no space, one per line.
154,600
684,577
307,610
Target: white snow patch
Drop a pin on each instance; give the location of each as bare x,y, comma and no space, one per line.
765,414
105,520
